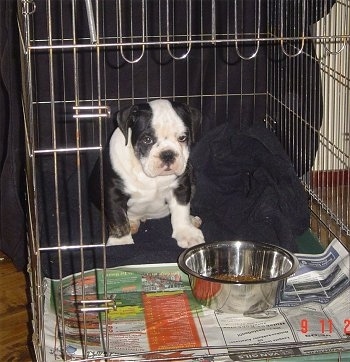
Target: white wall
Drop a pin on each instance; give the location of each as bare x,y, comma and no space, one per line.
334,57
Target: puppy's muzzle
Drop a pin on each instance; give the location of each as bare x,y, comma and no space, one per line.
168,157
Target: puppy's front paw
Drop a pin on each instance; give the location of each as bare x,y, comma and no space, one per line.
188,236
124,240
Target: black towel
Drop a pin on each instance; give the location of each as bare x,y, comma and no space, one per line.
247,188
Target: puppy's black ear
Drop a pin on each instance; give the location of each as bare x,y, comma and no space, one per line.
192,118
125,120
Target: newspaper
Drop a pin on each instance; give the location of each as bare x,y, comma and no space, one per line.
147,312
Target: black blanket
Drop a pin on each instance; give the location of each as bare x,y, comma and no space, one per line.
247,188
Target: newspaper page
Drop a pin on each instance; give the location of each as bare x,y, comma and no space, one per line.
147,312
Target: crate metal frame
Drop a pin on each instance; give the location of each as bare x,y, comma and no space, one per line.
327,182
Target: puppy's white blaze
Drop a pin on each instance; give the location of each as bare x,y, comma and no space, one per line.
164,116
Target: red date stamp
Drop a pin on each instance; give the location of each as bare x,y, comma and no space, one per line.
325,326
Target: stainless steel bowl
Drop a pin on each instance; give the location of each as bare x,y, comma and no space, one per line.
206,264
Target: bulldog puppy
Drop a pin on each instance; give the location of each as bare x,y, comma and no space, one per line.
147,173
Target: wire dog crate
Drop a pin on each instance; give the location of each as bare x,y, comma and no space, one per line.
282,63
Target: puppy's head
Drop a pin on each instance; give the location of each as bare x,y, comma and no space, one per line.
160,133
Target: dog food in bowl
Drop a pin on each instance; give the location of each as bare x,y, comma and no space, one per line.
237,276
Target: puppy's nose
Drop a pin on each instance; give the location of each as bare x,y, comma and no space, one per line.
168,157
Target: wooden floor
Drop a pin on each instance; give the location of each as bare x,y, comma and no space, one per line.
14,314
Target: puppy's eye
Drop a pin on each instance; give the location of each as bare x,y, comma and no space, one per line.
182,138
147,140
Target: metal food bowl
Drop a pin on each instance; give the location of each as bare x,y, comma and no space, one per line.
237,276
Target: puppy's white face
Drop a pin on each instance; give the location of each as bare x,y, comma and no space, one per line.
162,147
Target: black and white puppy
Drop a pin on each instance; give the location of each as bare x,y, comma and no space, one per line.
147,173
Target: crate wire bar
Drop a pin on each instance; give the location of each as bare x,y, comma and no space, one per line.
284,62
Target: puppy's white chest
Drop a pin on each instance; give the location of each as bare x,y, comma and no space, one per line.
149,200
149,196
